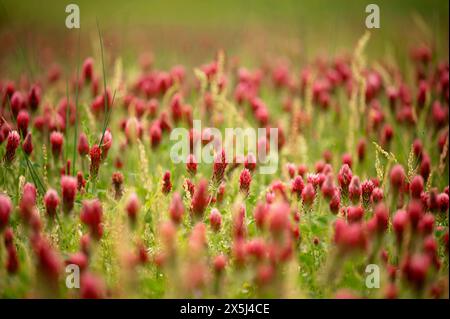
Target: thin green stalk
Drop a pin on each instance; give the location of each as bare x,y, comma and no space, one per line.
75,133
107,116
67,116
34,175
105,98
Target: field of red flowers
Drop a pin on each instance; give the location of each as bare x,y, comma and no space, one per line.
357,207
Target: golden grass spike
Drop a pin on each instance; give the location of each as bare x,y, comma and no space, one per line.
232,114
309,96
443,157
429,181
353,118
358,97
392,155
169,93
411,168
389,156
303,149
45,164
22,181
118,76
422,25
378,166
201,76
89,115
294,127
359,49
143,165
383,72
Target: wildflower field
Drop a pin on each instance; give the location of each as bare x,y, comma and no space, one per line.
93,204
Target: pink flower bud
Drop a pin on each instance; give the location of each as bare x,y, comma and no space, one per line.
117,181
68,191
56,141
400,223
367,188
260,214
11,146
155,134
191,164
377,195
297,186
387,135
221,192
81,182
27,144
220,164
215,219
85,244
88,69
80,259
17,103
417,148
355,190
397,176
347,160
176,208
416,186
22,122
200,198
239,225
381,214
49,261
355,214
176,107
51,202
443,202
425,167
91,215
328,188
344,177
5,210
12,260
422,93
34,97
133,130
308,194
415,212
291,170
106,143
416,268
349,237
361,149
244,181
265,274
28,202
220,261
96,156
250,162
197,239
426,224
83,145
335,202
132,207
92,287
166,183
278,218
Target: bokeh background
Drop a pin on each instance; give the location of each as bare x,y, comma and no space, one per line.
191,32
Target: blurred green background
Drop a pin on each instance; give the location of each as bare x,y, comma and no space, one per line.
192,31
